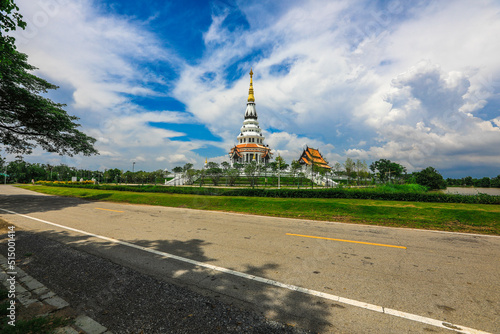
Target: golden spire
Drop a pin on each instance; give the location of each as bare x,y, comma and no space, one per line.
251,98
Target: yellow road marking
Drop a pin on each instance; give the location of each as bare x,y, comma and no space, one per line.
108,210
342,240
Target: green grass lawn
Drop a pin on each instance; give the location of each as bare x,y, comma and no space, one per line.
474,218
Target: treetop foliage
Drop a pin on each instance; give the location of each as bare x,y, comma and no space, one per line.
27,119
430,178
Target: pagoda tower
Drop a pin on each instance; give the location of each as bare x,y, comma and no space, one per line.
250,145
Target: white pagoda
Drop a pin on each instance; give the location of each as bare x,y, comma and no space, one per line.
250,145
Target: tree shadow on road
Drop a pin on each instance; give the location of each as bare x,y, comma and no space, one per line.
127,300
26,203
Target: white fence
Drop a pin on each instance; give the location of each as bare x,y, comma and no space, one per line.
180,179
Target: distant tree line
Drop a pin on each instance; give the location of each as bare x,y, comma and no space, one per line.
468,181
351,172
20,171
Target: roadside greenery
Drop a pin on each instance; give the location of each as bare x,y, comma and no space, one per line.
29,119
20,171
458,217
407,193
27,324
430,178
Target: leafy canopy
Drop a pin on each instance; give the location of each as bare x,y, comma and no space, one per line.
386,168
430,178
27,119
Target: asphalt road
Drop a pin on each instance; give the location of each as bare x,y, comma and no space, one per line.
348,278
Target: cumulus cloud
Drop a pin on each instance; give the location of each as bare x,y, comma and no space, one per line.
426,124
98,59
75,45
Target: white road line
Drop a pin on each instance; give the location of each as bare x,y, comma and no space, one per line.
347,301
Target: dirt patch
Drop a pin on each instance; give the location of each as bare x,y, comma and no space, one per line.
4,226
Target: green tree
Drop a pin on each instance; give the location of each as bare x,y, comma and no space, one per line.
349,166
238,166
27,119
202,173
10,20
23,172
61,173
187,167
274,166
152,176
281,163
232,175
189,174
113,175
295,167
157,176
430,178
337,169
17,170
365,174
215,172
451,182
361,170
387,170
225,168
37,172
485,182
264,168
251,170
468,181
177,169
495,182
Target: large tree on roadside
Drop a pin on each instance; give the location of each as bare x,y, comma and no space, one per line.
349,166
27,119
387,170
252,170
215,172
430,178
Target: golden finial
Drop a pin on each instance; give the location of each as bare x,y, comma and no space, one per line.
251,98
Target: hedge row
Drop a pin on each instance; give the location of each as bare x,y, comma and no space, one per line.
372,194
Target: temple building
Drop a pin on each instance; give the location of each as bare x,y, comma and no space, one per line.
311,157
250,145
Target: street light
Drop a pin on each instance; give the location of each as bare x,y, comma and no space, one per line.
133,164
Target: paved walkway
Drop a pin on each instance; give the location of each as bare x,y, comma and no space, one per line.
32,293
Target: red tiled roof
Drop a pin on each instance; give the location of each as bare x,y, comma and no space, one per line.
311,155
254,148
250,146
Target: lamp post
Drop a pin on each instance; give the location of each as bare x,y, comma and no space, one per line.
133,164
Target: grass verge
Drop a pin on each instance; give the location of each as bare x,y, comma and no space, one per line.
407,192
456,217
26,324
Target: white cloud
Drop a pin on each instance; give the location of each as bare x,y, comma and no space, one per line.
407,82
76,45
426,125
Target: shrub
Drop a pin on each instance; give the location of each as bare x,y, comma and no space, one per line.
430,178
411,193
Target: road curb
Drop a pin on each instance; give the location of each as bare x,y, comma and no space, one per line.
29,291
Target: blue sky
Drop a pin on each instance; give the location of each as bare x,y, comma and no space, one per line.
164,83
